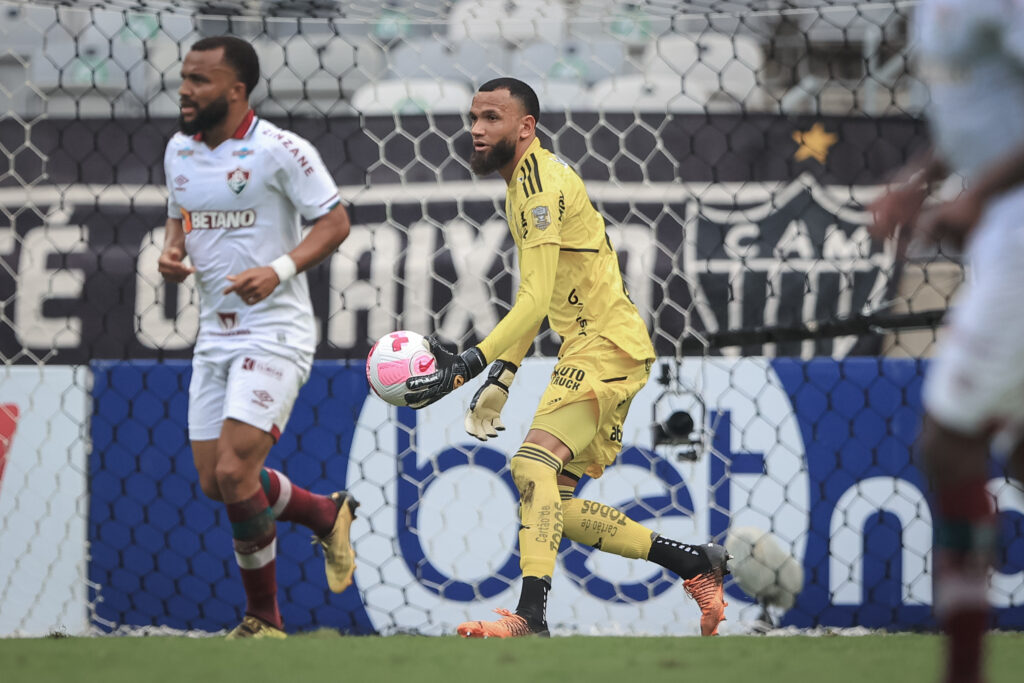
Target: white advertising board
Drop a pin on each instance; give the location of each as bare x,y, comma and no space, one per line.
43,500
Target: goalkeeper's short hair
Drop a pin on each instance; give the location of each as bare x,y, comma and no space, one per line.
519,90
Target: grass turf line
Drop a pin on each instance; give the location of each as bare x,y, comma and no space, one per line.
322,657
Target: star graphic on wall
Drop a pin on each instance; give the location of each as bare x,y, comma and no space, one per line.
814,143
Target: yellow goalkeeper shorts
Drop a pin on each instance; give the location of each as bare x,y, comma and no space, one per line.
605,375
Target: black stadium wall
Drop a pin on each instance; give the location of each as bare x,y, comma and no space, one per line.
70,293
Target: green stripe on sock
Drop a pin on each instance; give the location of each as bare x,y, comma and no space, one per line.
964,536
254,527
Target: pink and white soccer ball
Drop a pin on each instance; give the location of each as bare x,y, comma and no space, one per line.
395,358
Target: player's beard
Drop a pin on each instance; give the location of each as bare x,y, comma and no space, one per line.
206,118
501,152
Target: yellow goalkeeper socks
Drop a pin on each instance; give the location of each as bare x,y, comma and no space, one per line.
534,469
605,528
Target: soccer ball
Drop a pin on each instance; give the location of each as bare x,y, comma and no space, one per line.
762,568
395,358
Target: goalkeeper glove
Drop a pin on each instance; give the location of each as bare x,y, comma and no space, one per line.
483,420
453,370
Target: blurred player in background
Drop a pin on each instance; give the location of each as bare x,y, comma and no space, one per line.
569,273
238,187
972,53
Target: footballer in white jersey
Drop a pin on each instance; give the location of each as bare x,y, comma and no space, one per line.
972,57
971,54
239,189
241,206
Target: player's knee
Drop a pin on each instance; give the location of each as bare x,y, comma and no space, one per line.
948,456
231,473
208,483
931,451
527,472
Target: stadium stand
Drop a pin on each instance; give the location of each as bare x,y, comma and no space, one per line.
412,96
439,58
572,60
486,21
642,93
712,65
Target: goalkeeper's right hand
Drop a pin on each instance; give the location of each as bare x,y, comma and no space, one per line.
483,420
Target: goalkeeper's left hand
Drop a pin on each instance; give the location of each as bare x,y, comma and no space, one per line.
483,419
453,370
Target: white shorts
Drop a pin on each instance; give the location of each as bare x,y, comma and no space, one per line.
976,381
247,385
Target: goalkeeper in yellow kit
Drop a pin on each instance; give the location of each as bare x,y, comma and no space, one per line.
569,273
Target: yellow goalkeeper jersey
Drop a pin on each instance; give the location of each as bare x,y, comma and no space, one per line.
547,204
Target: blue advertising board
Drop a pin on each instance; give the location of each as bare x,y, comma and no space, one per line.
817,452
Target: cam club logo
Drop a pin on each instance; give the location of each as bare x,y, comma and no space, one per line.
766,256
238,179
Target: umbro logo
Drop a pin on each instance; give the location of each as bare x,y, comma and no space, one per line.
262,398
180,181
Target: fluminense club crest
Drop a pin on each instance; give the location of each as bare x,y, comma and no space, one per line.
238,179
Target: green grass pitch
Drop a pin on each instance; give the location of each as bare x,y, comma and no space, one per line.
321,657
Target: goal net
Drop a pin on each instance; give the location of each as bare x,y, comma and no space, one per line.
732,147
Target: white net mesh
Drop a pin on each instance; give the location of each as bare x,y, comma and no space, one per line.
731,146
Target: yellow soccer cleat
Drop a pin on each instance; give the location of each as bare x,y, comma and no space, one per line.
339,555
509,626
254,627
706,589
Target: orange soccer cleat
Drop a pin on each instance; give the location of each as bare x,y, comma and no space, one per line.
509,626
706,589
